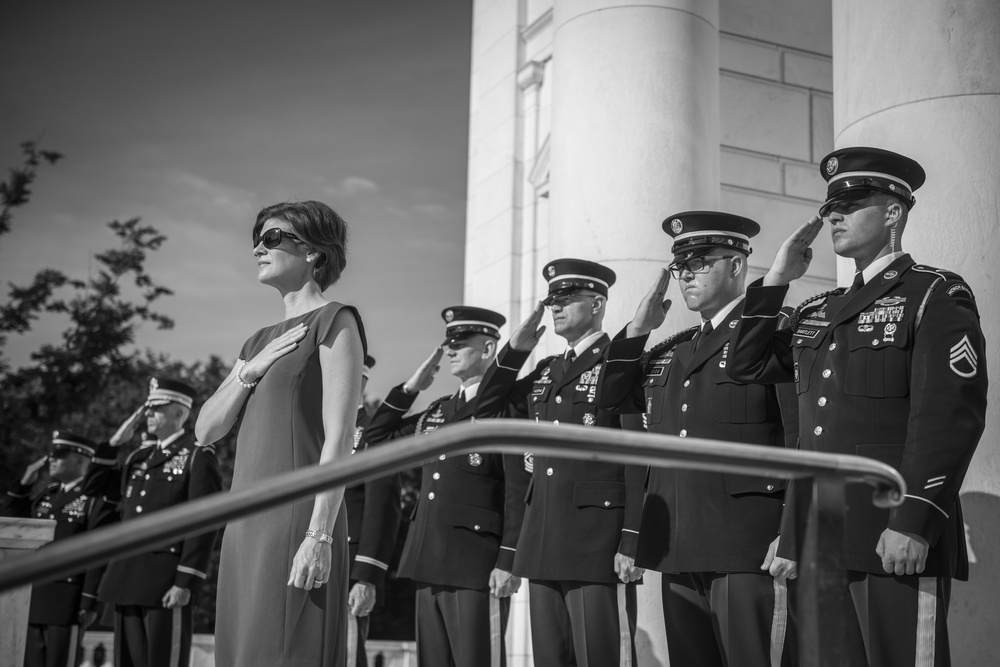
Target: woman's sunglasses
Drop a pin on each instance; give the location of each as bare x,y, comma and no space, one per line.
272,238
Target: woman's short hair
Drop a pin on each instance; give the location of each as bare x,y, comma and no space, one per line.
321,228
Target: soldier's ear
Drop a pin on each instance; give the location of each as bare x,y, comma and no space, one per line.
489,348
893,212
598,303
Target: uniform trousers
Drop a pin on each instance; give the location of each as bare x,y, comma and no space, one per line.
52,645
900,620
460,627
718,619
582,624
152,636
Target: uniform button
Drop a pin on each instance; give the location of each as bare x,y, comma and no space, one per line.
827,373
476,527
549,472
436,475
558,399
556,422
822,401
138,509
684,408
833,346
818,430
770,487
687,383
875,342
169,478
52,516
147,476
651,380
442,457
142,493
683,433
430,496
607,503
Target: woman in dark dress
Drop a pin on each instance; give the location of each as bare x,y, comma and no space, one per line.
283,577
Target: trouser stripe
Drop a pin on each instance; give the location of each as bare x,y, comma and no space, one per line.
779,621
496,640
926,621
352,640
625,659
175,638
74,645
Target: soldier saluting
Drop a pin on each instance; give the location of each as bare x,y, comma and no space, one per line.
893,368
62,610
151,591
710,534
582,517
461,544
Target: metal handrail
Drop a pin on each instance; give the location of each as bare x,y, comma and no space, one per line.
69,556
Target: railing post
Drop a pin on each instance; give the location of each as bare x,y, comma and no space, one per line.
824,603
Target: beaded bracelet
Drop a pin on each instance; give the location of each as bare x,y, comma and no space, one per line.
239,376
320,535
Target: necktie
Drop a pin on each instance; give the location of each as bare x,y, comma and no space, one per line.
706,329
568,359
460,403
859,282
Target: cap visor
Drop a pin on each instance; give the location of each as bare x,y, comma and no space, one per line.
843,197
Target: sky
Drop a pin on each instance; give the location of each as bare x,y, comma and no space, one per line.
195,115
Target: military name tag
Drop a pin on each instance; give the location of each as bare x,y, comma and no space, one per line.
807,333
656,371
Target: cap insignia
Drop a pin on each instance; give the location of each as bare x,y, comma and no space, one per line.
831,166
552,271
590,285
889,275
676,226
153,384
892,186
449,315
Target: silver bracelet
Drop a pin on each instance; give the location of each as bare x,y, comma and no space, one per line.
320,535
239,376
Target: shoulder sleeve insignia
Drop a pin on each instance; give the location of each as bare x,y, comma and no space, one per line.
958,288
963,360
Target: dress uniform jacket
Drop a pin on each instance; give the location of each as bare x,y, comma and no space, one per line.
895,371
373,516
692,520
75,511
469,514
579,513
156,478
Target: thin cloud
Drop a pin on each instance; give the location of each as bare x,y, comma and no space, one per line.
351,186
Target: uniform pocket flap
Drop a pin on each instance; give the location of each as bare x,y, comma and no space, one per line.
738,485
477,519
599,494
876,336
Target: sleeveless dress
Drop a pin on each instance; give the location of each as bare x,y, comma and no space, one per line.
260,621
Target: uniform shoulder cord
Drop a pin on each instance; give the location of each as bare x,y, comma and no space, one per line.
654,352
435,404
797,313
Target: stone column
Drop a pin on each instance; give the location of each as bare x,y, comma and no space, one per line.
922,77
635,135
635,138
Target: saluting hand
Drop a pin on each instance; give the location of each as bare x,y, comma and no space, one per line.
902,553
652,309
626,570
31,472
127,429
794,256
277,348
526,337
424,375
503,584
778,567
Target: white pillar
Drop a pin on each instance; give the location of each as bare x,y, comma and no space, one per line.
922,78
635,138
635,135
